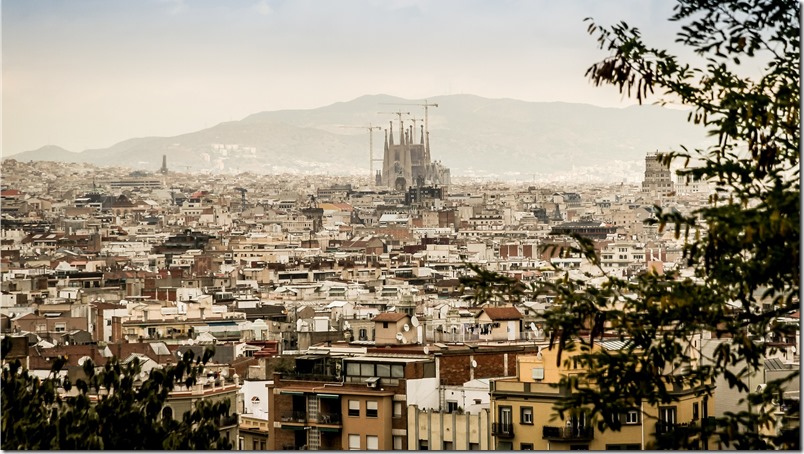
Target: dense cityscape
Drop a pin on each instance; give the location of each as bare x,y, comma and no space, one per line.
336,305
518,261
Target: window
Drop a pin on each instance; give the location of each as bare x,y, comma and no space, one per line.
372,442
526,416
397,443
423,445
354,408
367,370
383,370
353,369
363,334
397,409
526,447
632,417
241,443
255,445
538,373
398,371
371,408
452,406
695,411
474,446
448,446
354,442
385,324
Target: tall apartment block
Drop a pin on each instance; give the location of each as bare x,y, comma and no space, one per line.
657,176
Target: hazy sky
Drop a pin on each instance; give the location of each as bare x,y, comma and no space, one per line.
90,73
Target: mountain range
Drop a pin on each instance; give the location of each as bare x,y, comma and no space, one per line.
472,135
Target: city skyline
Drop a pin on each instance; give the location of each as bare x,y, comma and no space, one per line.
84,74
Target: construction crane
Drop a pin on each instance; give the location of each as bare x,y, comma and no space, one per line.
414,120
371,129
426,105
398,113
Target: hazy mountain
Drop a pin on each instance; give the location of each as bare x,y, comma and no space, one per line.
49,153
469,134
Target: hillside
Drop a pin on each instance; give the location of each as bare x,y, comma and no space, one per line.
470,134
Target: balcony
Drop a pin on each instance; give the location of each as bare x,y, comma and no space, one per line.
670,435
570,433
230,420
293,417
502,430
330,419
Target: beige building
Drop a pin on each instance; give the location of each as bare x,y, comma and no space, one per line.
523,417
448,431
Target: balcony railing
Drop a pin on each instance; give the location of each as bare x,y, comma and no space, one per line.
230,420
502,429
670,435
569,433
293,416
329,418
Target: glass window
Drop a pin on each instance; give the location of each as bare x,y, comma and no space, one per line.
353,369
383,370
397,409
452,406
397,443
367,370
527,415
372,442
526,447
371,408
354,408
398,371
354,442
632,417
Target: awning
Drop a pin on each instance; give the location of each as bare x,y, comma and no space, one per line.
294,393
328,396
329,429
299,427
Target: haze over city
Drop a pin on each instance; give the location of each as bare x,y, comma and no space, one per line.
89,74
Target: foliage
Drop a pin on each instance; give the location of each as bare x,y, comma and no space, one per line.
743,247
108,409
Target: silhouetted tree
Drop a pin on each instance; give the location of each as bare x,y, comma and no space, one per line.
743,247
108,409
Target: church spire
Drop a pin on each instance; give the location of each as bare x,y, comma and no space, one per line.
427,148
391,135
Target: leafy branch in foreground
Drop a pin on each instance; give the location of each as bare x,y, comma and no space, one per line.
107,409
742,248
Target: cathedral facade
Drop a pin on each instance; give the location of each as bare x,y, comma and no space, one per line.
407,163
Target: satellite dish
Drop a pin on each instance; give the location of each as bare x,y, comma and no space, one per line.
414,321
474,364
426,350
406,327
399,336
346,325
533,326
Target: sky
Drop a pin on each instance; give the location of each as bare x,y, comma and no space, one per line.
84,74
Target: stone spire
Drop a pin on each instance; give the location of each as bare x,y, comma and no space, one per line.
391,134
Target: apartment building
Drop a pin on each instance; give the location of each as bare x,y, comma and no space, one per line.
523,417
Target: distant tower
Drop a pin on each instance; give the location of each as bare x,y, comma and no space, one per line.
658,179
164,168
